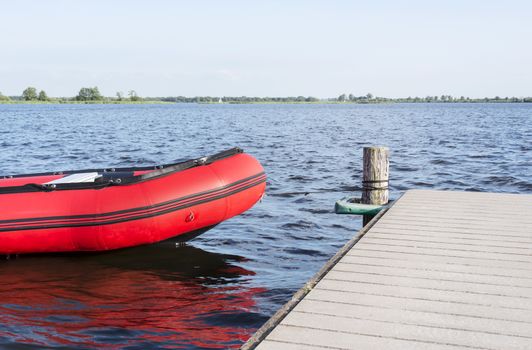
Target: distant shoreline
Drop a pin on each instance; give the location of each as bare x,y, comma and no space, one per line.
92,95
63,102
362,103
147,102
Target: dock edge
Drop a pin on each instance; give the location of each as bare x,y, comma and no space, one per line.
267,327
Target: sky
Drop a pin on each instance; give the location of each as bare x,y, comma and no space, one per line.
267,48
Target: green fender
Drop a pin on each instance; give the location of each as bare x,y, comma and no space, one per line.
353,206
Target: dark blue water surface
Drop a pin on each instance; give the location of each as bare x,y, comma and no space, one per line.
215,291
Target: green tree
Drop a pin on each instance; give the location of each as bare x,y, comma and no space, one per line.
30,94
43,96
89,94
96,96
4,98
369,96
133,95
84,94
119,95
342,98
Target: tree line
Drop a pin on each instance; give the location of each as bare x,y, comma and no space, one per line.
236,99
369,98
92,94
85,94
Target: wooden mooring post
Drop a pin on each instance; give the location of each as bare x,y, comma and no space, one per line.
375,177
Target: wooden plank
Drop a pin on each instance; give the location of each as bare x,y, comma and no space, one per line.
429,266
439,270
434,274
480,197
428,210
406,303
428,282
520,230
451,221
419,332
456,322
496,249
274,345
481,259
466,200
460,241
338,340
477,196
381,288
460,218
392,256
493,233
468,252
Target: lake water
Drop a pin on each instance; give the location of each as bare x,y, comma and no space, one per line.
219,288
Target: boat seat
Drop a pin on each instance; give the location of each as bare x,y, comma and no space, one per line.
74,178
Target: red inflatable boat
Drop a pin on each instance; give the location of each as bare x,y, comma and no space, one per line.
103,209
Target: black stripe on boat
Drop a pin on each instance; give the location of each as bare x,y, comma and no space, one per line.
197,199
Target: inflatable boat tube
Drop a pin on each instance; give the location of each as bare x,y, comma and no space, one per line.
104,209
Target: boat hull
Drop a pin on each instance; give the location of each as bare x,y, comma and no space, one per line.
130,214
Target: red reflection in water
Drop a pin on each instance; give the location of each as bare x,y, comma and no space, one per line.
156,296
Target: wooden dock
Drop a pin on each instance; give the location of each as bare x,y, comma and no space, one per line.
438,270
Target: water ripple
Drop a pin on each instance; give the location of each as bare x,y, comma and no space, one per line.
215,292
